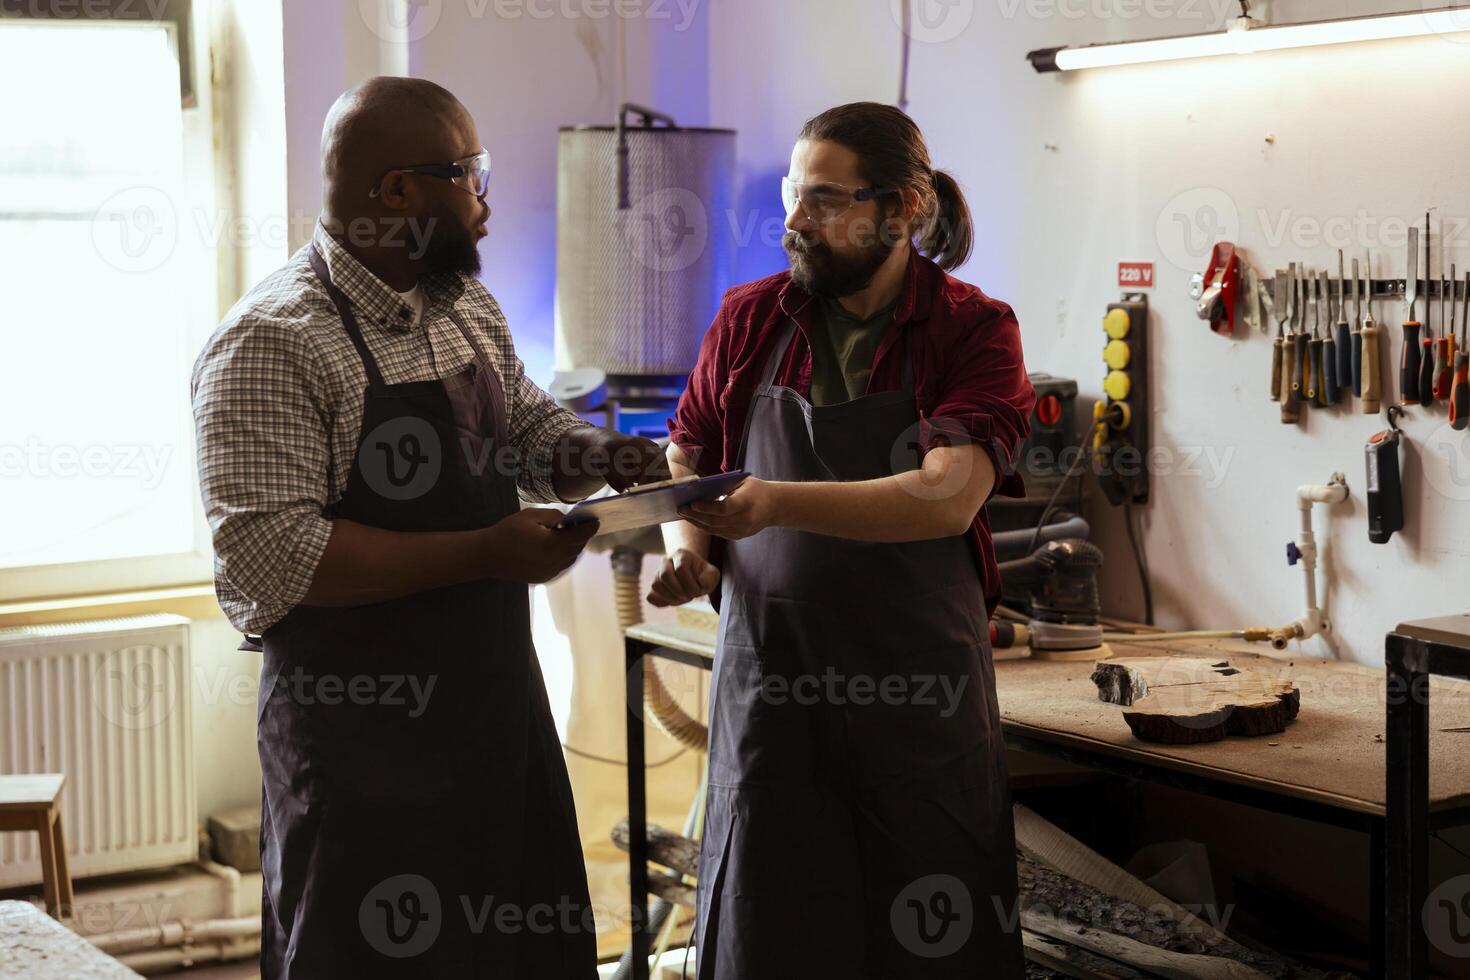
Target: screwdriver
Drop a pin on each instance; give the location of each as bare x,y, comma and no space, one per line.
1311,376
1409,364
1453,348
1355,355
1344,371
1372,372
1329,384
1460,390
1298,352
1426,363
1289,411
1275,297
1444,346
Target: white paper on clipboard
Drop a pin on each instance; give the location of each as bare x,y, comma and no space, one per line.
655,503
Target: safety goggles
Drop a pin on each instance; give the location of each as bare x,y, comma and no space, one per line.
472,173
826,202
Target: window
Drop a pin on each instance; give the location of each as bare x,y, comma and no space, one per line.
107,280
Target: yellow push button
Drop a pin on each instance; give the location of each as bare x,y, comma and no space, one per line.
1117,385
1117,324
1117,354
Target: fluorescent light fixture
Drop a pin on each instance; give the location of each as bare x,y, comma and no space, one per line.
1247,36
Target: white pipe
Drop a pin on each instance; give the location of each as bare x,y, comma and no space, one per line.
163,960
178,933
1313,622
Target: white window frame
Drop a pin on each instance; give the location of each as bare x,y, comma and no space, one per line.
201,195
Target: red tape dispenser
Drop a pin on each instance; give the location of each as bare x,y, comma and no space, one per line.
1221,290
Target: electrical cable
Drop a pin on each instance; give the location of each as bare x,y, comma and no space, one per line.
1071,471
903,68
1141,563
622,762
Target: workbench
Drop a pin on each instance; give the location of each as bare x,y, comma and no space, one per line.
36,946
1328,766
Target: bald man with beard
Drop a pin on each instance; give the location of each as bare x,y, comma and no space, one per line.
365,435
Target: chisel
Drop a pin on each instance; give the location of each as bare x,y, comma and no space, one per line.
1273,298
1344,341
1443,346
1409,364
1372,346
1289,411
1298,352
1460,388
1355,366
1314,347
1329,385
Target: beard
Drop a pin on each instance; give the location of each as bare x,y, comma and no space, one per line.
451,247
821,271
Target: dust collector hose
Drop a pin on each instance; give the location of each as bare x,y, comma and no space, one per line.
668,717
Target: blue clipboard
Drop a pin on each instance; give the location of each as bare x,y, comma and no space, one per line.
656,503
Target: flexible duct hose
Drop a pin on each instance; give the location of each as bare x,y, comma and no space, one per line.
668,717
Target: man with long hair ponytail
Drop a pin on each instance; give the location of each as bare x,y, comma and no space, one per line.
858,820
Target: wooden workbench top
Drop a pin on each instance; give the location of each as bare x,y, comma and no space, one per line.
36,946
1333,753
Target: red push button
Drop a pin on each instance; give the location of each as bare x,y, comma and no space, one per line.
1049,410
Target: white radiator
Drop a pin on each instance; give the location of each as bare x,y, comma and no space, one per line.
107,703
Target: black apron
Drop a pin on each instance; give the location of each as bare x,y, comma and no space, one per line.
417,819
858,817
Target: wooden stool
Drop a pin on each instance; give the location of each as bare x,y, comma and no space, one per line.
32,802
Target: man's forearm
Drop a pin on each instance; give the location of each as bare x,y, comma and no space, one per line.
884,510
937,500
365,564
682,534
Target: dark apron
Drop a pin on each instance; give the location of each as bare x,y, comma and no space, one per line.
859,818
409,830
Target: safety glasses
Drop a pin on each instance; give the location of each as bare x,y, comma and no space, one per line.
826,201
472,173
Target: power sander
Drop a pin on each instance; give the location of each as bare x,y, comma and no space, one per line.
1065,610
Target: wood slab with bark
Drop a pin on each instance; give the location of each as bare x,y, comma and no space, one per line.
1188,700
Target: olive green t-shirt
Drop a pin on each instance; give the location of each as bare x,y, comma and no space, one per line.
843,346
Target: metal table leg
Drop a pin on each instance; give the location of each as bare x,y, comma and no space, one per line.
637,811
1406,844
1377,908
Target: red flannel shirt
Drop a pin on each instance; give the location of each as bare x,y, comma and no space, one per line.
969,377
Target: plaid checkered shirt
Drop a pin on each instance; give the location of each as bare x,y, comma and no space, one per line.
278,397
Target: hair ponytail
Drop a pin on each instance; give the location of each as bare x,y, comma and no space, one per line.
950,232
892,154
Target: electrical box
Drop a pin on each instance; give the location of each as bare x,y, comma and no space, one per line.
1054,435
1120,441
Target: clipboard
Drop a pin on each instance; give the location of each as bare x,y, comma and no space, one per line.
653,503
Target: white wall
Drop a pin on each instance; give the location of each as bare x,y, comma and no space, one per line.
1067,175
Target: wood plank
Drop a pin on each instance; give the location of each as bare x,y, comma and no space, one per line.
1174,966
1054,847
1073,962
664,847
1051,893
